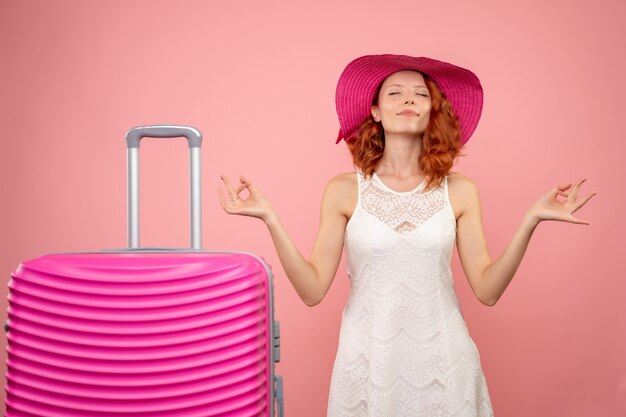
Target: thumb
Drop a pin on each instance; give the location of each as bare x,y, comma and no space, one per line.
247,184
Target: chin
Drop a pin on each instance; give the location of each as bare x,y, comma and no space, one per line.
416,132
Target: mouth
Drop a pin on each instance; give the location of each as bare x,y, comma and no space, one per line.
407,113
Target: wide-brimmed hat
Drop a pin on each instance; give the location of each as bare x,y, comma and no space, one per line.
360,80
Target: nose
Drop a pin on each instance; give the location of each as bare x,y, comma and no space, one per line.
409,100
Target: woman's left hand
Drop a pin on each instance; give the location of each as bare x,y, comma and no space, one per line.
549,207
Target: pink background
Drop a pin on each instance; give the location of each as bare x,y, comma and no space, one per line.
258,79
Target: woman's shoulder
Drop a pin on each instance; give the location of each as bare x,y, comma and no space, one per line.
342,192
460,181
462,190
343,181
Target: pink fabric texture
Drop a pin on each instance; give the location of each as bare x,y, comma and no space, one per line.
360,79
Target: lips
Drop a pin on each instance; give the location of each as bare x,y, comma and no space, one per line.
407,113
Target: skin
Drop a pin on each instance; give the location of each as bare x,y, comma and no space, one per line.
403,90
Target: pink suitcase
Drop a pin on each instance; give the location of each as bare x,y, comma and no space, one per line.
144,332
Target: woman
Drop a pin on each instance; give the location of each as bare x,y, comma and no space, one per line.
404,348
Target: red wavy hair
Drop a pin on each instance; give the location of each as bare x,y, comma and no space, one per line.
441,144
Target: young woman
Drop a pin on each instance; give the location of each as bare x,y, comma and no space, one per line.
404,348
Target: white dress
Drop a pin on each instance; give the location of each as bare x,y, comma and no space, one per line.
404,348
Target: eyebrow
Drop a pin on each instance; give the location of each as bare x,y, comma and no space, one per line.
400,85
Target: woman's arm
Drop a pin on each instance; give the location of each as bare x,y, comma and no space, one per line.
489,279
311,279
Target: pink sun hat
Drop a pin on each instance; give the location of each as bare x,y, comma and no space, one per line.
360,80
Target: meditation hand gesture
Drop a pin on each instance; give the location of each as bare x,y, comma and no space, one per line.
549,207
256,205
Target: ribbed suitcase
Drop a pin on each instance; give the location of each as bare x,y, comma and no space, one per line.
144,332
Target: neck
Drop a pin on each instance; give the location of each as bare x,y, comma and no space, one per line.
400,155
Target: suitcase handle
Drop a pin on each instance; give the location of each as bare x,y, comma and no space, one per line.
194,139
134,135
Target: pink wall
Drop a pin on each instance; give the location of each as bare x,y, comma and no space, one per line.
258,78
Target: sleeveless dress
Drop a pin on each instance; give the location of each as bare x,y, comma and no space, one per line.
404,347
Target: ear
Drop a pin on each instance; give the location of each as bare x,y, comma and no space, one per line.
375,113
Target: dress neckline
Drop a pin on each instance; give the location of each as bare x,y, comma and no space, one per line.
418,187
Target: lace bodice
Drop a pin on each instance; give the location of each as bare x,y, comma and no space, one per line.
402,211
404,348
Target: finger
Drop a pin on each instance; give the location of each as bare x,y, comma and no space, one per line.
222,198
572,197
244,182
229,187
578,221
567,217
243,185
240,188
225,202
229,205
561,190
251,187
583,201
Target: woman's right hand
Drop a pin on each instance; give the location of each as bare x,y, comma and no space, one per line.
256,205
312,278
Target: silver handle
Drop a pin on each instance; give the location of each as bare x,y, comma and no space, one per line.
134,135
280,398
194,139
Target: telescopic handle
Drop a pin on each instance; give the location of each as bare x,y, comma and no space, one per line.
194,139
134,135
